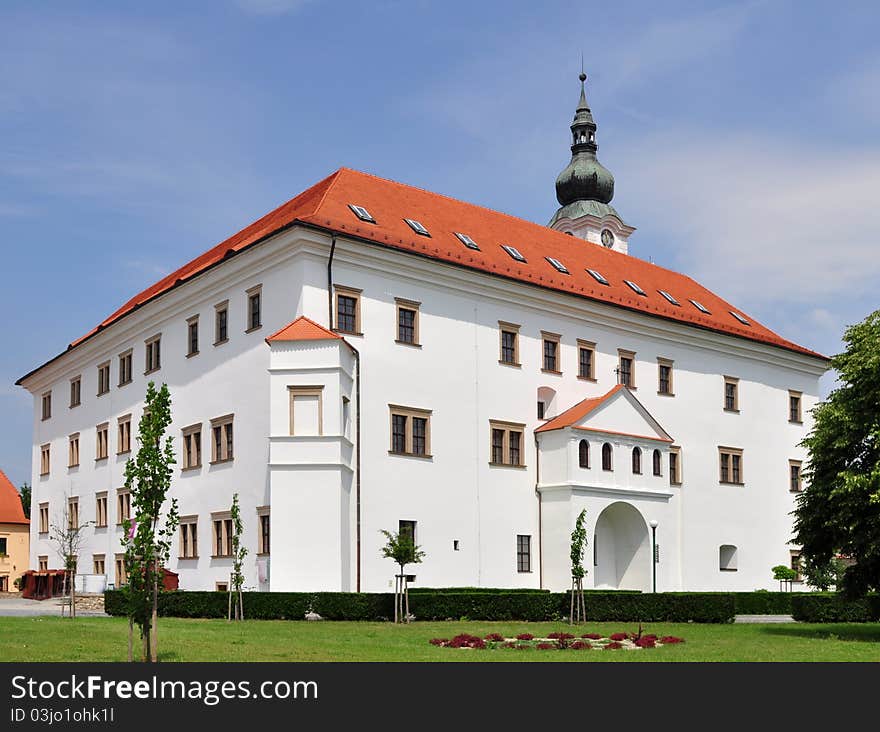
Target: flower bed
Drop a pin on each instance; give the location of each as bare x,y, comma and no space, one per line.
559,641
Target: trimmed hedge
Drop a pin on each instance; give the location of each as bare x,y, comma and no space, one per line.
762,602
448,605
829,607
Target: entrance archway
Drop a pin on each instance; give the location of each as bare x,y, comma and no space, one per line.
622,549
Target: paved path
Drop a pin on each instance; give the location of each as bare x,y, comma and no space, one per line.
19,607
763,619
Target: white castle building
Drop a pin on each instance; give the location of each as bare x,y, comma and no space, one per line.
374,356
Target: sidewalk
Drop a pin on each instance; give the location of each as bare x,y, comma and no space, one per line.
16,606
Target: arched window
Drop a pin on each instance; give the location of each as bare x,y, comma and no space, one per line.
606,457
656,460
637,461
584,454
727,558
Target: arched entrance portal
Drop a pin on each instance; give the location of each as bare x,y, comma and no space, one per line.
622,549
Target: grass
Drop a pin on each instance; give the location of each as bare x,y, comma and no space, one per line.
105,639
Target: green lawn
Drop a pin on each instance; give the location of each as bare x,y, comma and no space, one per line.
105,639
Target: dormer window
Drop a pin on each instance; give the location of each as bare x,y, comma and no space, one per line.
669,297
635,288
740,318
467,241
362,213
557,265
513,252
417,227
598,277
702,308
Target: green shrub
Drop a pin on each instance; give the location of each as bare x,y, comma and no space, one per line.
672,607
762,602
829,607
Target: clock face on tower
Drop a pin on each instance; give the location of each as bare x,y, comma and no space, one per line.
607,238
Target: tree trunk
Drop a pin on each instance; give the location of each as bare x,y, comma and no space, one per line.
406,598
154,644
73,593
130,639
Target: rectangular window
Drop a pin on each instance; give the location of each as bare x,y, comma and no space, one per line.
121,574
626,368
664,377
509,343
44,518
263,526
675,466
123,505
306,410
73,451
101,510
103,378
123,441
523,553
796,565
192,447
731,394
794,476
506,443
221,322
47,406
410,431
45,460
542,407
125,370
75,392
407,529
550,343
43,563
407,321
153,357
222,534
794,407
254,308
730,465
222,442
102,432
348,310
586,360
73,513
189,537
192,336
98,564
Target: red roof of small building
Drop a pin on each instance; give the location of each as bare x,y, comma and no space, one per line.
575,414
302,329
326,206
11,511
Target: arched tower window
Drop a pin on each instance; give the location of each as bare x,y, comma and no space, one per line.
606,457
656,461
637,461
727,558
584,454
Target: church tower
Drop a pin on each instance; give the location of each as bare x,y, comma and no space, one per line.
585,189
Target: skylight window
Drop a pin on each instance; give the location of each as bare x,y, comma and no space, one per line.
513,252
467,241
598,277
740,318
702,308
417,227
557,265
669,297
635,288
362,213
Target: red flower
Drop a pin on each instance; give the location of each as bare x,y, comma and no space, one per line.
495,637
438,641
547,646
525,636
645,643
509,644
613,646
467,641
619,636
591,636
580,646
560,636
671,639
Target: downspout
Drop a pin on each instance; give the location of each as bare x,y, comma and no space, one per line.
357,407
540,525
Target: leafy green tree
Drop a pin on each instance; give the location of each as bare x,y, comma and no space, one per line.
147,540
822,576
839,512
578,610
25,495
236,605
401,547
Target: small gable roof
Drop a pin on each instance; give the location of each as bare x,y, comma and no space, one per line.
303,329
11,511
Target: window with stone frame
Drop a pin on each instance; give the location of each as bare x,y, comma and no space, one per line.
263,526
410,431
192,446
730,461
222,439
506,443
123,437
550,353
407,322
101,510
508,343
348,310
586,360
189,537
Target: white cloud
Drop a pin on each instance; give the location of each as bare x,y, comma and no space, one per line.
759,218
271,7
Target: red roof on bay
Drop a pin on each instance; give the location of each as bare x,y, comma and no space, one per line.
302,329
11,511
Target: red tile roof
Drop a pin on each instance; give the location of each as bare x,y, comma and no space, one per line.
576,413
326,206
302,329
11,511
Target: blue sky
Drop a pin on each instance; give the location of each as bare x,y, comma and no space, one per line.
133,136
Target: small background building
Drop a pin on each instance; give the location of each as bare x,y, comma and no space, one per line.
14,535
